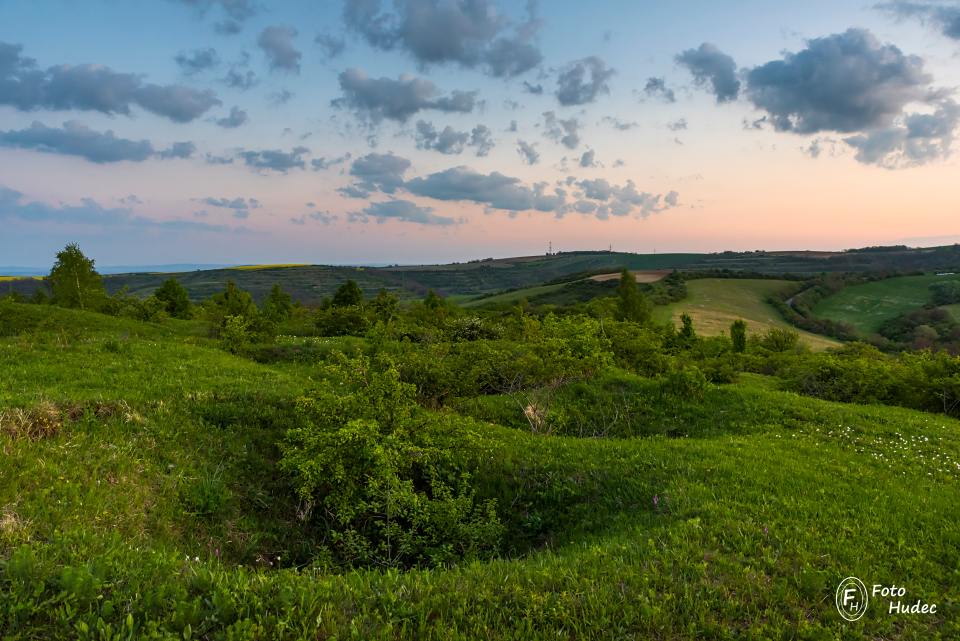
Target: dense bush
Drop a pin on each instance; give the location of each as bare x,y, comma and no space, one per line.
390,481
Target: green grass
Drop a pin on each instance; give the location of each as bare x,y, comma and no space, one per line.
953,310
714,303
514,296
868,306
172,520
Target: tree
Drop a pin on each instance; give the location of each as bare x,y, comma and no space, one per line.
738,336
687,333
175,299
632,305
433,301
74,281
278,305
348,295
233,301
385,306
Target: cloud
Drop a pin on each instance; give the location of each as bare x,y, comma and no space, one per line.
589,159
274,159
657,88
236,118
680,124
235,12
494,190
331,46
376,172
448,141
533,89
322,163
322,217
920,138
277,44
945,18
581,81
89,87
625,200
13,206
452,142
239,76
197,61
241,206
179,150
619,125
846,82
402,210
374,99
469,33
482,139
76,139
711,66
528,152
565,132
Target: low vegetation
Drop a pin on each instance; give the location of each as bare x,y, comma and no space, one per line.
377,469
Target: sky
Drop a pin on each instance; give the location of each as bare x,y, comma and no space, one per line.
424,131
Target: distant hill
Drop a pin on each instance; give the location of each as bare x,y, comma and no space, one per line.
311,283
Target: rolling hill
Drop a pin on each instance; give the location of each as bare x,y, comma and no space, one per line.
867,306
714,303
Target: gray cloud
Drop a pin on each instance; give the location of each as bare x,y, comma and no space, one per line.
625,200
619,125
240,206
179,150
93,88
402,210
945,18
236,118
470,33
374,99
197,61
482,139
76,139
234,12
277,45
494,190
589,159
711,66
275,160
331,46
320,164
528,152
679,124
448,141
657,88
322,217
581,81
376,172
13,206
563,131
846,82
919,139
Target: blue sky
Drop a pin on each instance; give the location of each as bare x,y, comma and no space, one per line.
437,130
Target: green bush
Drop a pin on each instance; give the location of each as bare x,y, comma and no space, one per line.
389,480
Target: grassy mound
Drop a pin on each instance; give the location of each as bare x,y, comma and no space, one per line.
155,509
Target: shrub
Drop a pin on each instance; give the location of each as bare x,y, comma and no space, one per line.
685,383
388,479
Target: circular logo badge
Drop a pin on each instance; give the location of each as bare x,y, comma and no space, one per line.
852,598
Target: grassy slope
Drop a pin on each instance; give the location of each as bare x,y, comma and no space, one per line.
867,306
954,310
714,303
753,531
